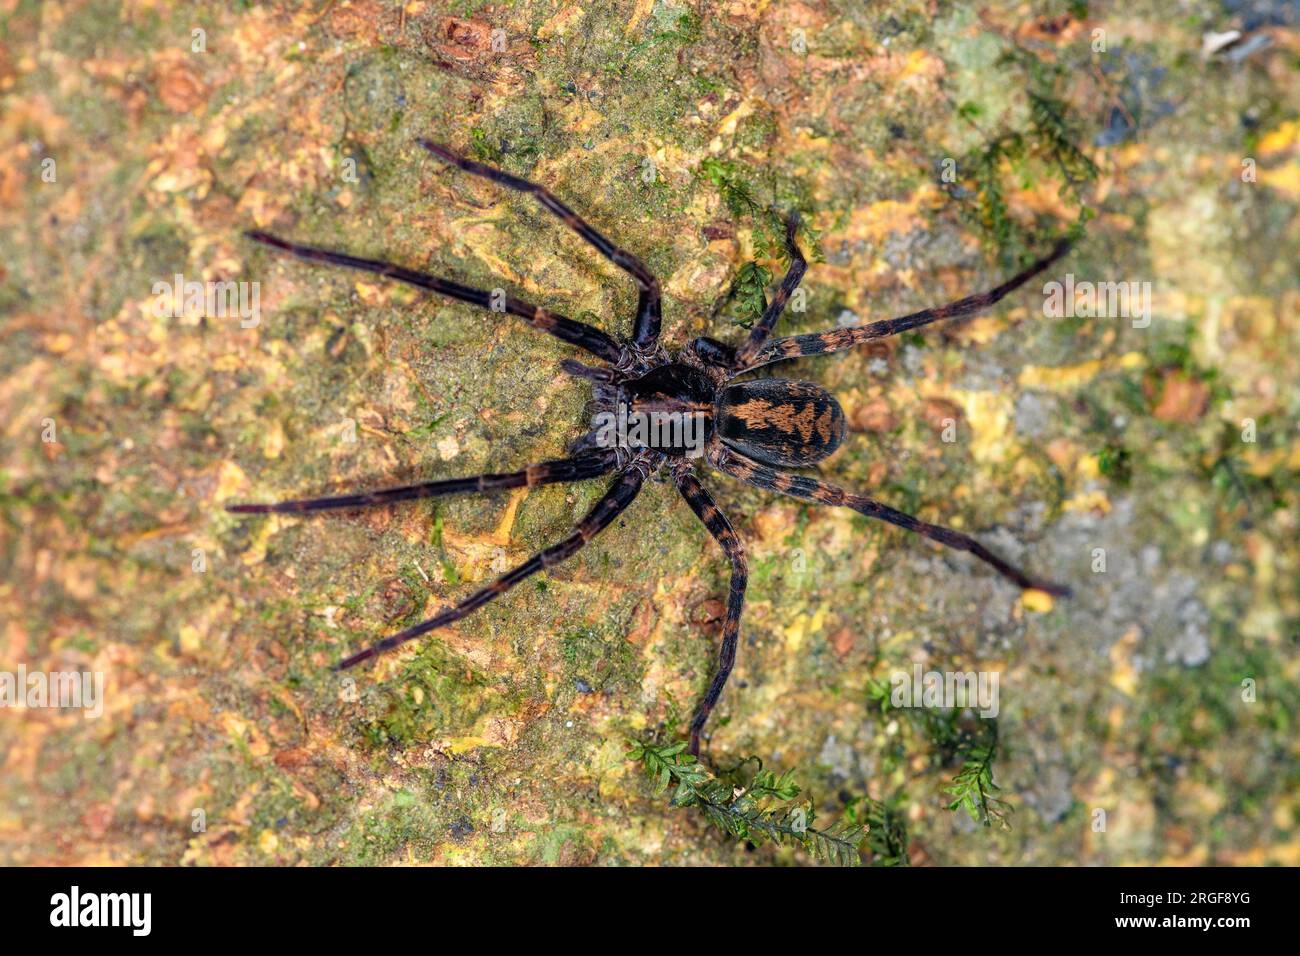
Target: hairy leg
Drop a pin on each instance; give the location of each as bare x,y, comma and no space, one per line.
621,494
649,309
577,468
575,333
758,335
706,510
837,340
823,492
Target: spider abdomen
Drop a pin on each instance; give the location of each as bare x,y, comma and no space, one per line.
780,422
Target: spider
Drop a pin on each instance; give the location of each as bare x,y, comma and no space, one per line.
755,430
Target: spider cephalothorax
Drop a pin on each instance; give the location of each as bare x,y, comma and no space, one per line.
652,409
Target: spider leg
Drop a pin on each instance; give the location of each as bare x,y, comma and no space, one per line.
621,494
592,373
706,510
648,311
575,333
816,490
763,327
836,340
577,468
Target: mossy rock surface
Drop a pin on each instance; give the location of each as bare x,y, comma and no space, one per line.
932,151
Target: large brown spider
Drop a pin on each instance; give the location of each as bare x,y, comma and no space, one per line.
752,430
